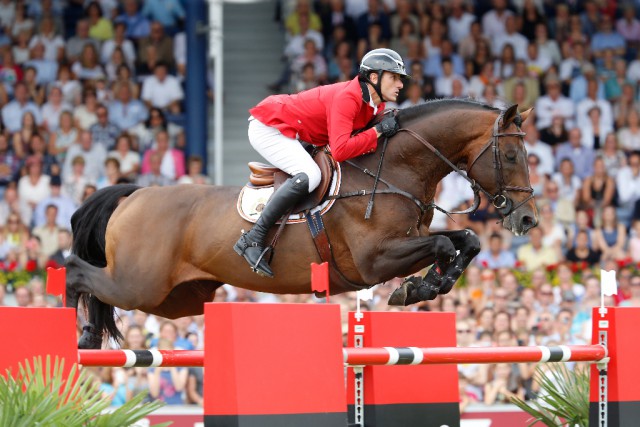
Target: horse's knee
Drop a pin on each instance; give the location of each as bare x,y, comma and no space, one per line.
472,243
444,249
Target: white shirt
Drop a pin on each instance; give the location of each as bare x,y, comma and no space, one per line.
161,94
606,113
51,45
633,71
128,162
51,114
180,48
459,27
493,25
547,107
127,47
629,141
295,47
30,193
516,40
544,153
444,85
628,186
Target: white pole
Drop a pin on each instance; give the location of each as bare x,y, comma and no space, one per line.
216,49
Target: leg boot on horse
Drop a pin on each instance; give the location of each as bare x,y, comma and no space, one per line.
251,245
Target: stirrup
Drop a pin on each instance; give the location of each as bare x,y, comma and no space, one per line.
255,268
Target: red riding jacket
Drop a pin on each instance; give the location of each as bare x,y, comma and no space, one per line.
323,115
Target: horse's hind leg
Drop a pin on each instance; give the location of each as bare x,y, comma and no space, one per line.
91,284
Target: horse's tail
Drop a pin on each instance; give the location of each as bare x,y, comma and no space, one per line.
89,227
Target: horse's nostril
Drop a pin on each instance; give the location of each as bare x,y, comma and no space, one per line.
529,222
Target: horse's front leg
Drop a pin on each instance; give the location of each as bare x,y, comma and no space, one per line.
408,255
467,244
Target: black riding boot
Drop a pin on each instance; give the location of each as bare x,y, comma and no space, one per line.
251,244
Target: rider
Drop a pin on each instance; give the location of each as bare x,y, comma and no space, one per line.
323,115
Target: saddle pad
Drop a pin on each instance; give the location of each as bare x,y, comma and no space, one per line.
253,199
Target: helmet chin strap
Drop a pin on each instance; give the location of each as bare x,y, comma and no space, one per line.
376,87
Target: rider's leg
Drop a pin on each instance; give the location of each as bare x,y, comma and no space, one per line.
288,155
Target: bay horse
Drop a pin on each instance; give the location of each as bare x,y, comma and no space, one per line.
165,250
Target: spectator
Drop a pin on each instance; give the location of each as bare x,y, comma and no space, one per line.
21,22
121,41
111,175
593,99
85,115
13,111
23,296
634,241
606,38
292,22
628,185
582,251
34,186
137,25
536,179
75,45
167,384
93,155
74,180
53,109
598,191
534,255
163,90
580,157
52,41
169,13
128,159
100,28
613,157
541,149
162,47
194,172
20,48
65,206
553,103
595,131
127,113
104,132
629,135
48,232
71,89
9,165
87,68
35,90
611,237
154,177
65,135
38,149
574,65
495,256
494,21
172,165
556,133
521,76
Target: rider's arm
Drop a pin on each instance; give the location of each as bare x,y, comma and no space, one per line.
341,117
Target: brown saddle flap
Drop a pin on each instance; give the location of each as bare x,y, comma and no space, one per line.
263,175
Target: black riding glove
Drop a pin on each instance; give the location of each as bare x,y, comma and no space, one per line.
388,126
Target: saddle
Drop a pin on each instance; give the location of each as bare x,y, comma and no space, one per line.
264,175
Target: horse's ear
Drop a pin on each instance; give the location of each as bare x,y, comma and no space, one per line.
509,115
525,114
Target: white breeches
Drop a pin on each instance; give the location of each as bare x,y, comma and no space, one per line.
283,152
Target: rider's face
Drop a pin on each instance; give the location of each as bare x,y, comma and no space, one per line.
390,86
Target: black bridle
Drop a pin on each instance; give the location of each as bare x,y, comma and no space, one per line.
500,199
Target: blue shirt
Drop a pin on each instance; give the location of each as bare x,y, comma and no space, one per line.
505,259
129,115
66,208
137,25
13,111
582,158
46,70
603,41
167,12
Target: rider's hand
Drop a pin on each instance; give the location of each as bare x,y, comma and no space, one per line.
388,126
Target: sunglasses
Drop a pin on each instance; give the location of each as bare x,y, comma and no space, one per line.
464,331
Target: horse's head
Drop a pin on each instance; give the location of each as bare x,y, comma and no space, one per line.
499,167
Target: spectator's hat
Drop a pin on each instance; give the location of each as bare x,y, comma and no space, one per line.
55,181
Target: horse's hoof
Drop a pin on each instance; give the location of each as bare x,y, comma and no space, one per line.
399,296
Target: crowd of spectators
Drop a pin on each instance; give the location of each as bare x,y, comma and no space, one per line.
91,95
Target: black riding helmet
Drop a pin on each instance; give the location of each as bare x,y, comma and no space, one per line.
379,61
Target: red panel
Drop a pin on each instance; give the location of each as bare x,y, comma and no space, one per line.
273,359
624,351
29,332
406,384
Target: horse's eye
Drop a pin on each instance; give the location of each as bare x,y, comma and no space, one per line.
511,155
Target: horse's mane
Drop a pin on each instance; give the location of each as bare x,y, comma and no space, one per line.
439,105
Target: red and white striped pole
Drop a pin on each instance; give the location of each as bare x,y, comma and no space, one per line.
366,356
141,358
451,355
